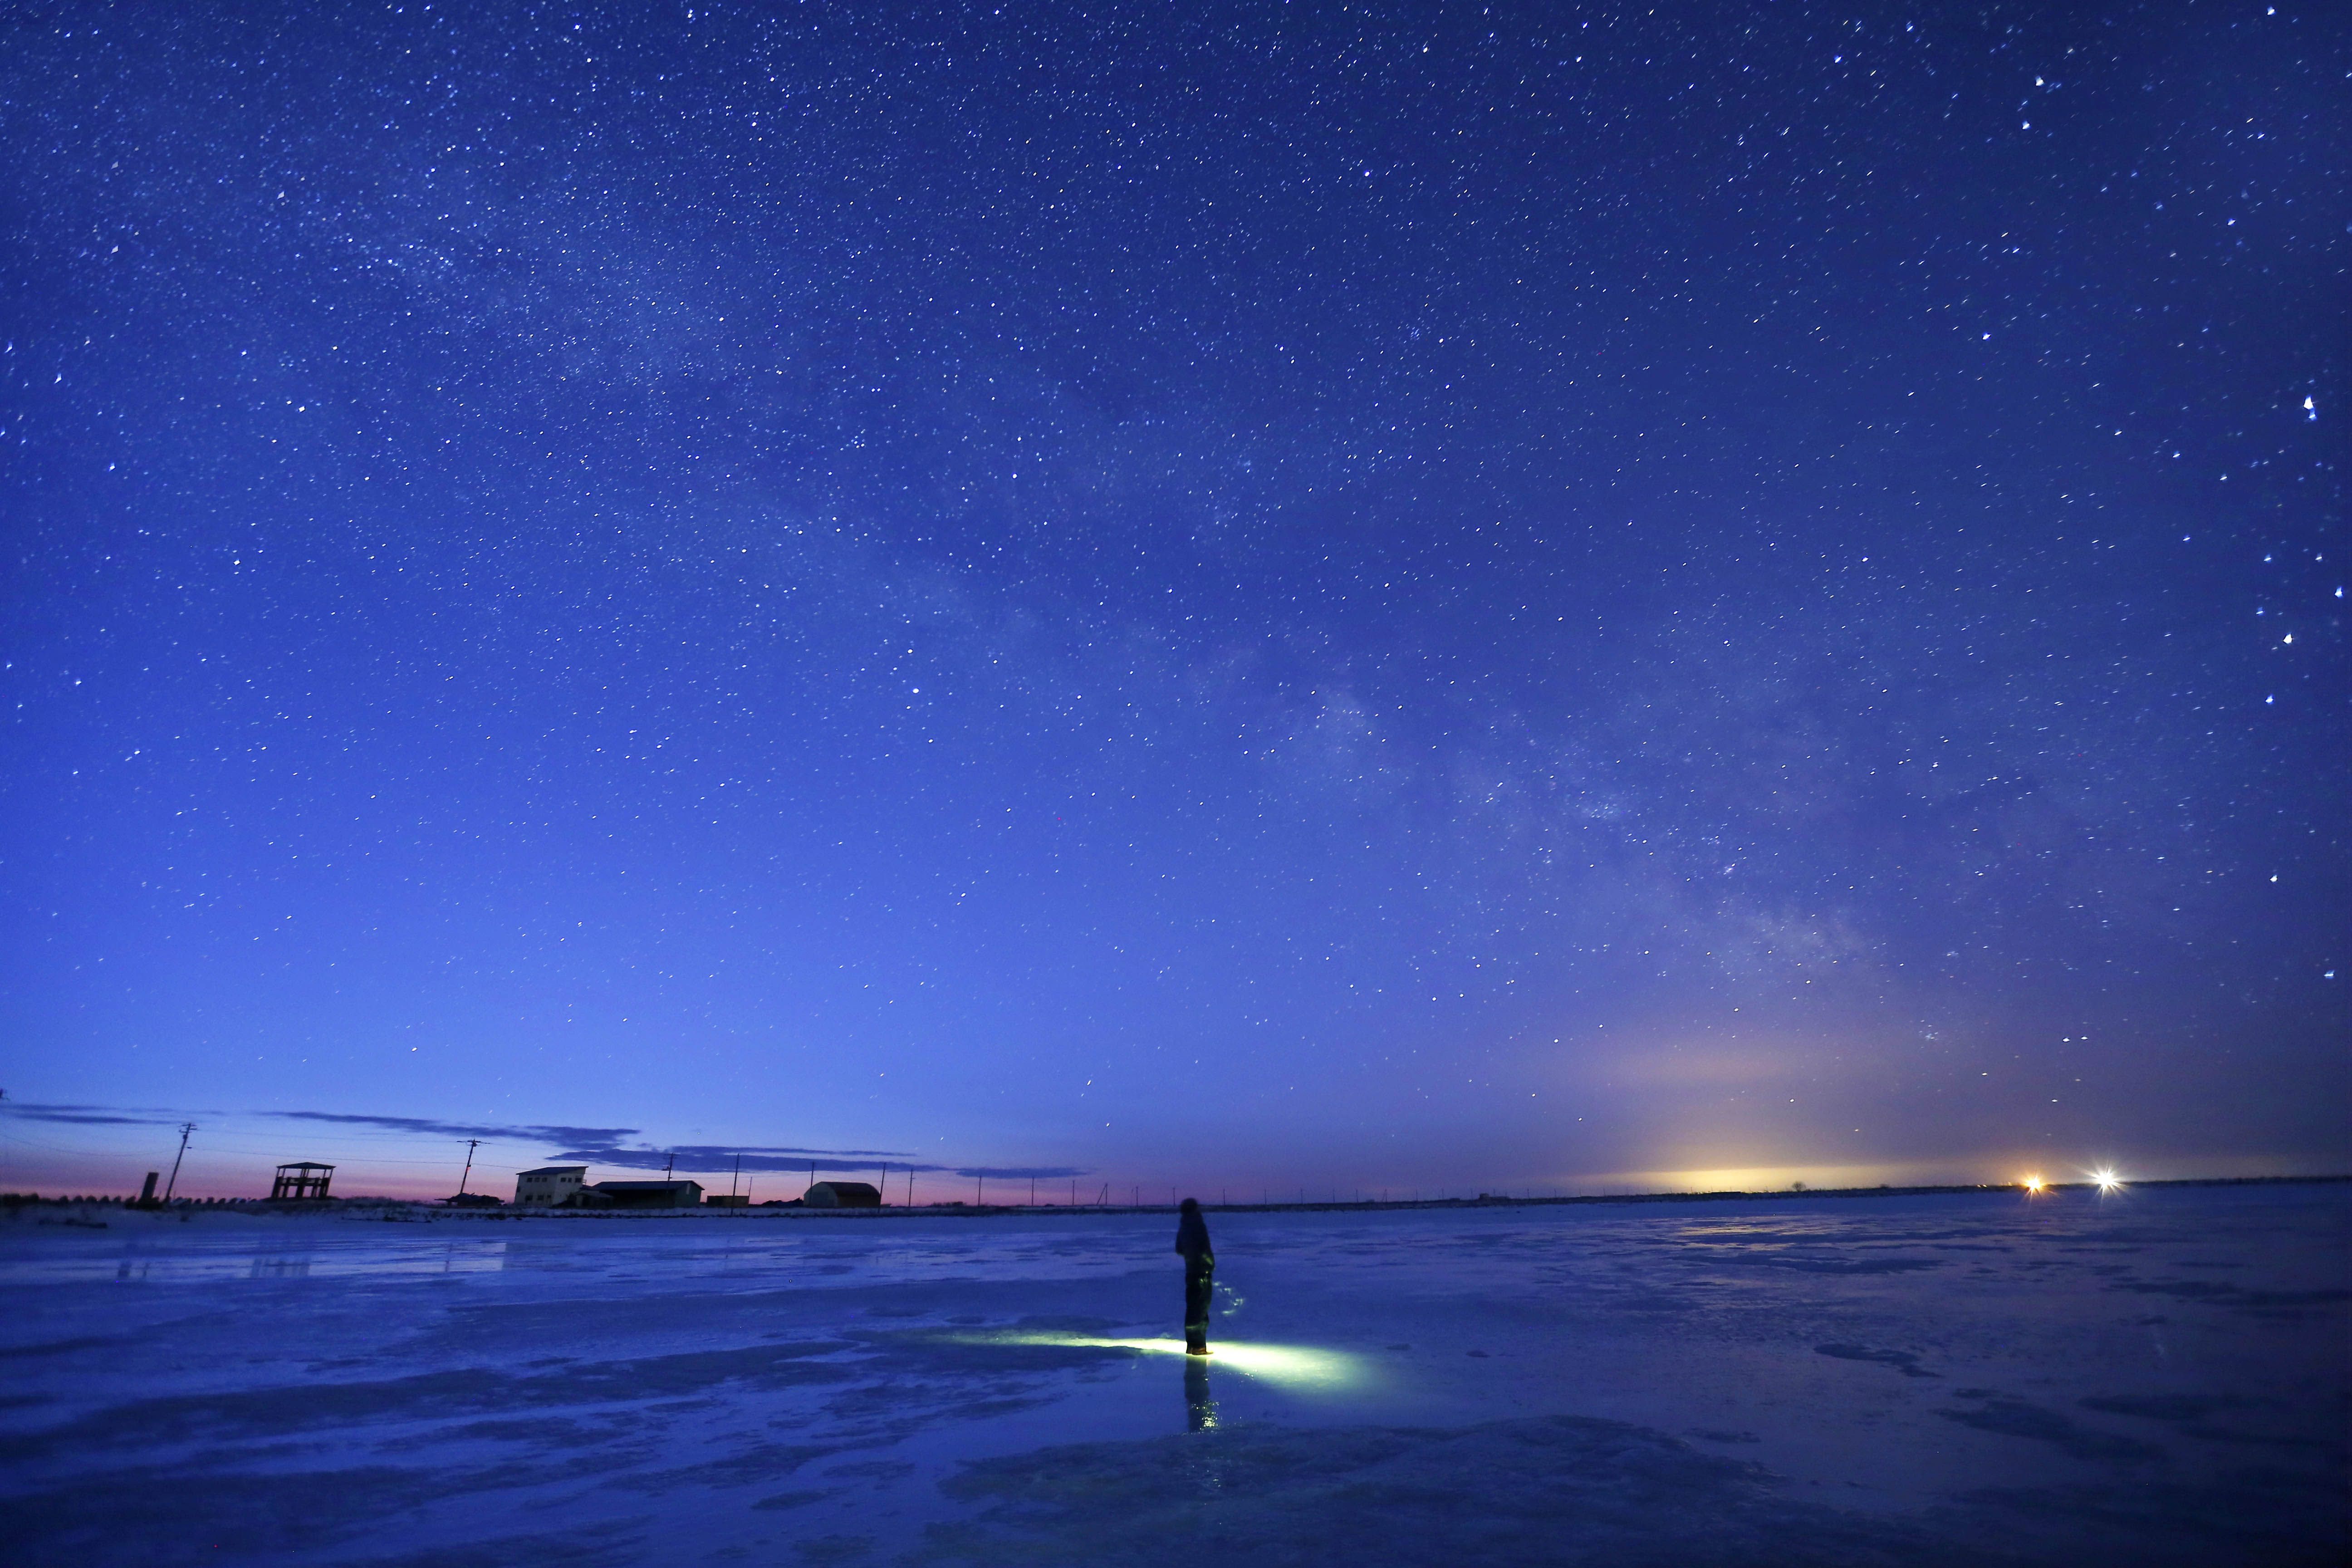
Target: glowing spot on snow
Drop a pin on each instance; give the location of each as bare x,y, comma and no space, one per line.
1297,1366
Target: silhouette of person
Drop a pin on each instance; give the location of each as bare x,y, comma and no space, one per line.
1200,1273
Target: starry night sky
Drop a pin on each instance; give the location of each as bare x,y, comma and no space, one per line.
1413,596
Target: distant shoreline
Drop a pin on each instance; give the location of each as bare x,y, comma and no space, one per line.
15,1204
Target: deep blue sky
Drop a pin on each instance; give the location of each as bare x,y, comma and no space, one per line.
1407,596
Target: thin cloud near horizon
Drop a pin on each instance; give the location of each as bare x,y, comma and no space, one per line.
592,1145
722,1158
88,1115
605,1144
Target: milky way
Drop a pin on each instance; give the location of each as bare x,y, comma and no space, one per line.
1283,592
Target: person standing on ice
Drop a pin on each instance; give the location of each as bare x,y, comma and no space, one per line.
1200,1272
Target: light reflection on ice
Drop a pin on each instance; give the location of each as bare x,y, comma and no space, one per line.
1291,1367
185,1265
341,1247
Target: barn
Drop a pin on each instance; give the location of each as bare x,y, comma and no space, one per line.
649,1195
842,1196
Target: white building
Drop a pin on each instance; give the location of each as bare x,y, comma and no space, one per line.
550,1186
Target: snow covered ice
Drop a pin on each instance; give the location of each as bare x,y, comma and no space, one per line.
2154,1377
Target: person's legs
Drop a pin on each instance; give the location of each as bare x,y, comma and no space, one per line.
1197,1294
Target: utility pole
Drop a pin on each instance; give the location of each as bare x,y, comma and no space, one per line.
980,1192
736,1177
669,1161
471,1143
185,1127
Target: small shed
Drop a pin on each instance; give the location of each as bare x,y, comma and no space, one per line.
302,1179
842,1196
650,1194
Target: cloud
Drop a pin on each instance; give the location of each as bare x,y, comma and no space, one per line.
590,1146
719,1158
487,1131
709,1157
619,1145
84,1115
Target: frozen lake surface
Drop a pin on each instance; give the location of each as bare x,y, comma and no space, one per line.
2160,1376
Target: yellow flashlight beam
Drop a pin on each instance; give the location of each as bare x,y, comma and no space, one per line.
1299,1366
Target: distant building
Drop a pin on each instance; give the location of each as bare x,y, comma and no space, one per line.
728,1201
302,1179
842,1196
649,1195
550,1186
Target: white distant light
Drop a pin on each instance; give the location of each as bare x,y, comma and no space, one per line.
2109,1182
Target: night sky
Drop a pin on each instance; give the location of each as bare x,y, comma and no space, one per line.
1401,597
